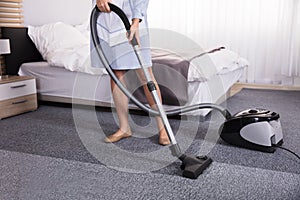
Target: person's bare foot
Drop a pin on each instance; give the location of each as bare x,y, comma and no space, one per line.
163,138
117,136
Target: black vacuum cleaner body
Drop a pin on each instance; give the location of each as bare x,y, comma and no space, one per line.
257,129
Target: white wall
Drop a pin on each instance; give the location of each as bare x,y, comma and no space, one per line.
38,12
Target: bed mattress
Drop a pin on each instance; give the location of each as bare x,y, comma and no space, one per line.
61,83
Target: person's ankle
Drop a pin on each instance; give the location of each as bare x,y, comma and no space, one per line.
125,130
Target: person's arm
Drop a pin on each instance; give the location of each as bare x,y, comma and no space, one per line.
139,9
134,30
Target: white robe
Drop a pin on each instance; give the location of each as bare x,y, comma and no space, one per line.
112,34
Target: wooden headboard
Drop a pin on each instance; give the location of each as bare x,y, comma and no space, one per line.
22,49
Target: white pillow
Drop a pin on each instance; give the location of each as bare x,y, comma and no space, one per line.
64,45
51,37
219,62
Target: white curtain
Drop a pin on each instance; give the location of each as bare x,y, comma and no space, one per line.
294,67
266,32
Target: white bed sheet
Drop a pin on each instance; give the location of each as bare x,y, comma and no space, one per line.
59,82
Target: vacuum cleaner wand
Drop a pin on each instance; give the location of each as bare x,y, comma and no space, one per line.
192,166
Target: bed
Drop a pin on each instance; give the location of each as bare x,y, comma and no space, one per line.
180,79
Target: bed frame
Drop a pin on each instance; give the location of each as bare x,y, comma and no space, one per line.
22,49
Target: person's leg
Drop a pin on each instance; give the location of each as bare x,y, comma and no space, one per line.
163,137
121,104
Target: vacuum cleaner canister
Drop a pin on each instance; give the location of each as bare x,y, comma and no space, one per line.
257,129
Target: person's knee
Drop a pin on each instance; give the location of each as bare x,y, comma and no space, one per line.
142,77
119,73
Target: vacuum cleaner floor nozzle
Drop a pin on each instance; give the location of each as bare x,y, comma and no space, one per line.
193,166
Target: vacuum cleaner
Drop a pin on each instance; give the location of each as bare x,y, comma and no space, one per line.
253,128
257,129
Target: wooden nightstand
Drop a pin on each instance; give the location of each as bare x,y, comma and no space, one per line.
17,95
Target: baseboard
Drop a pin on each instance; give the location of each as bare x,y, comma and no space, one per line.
237,87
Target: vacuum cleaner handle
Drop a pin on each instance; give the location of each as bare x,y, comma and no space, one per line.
124,19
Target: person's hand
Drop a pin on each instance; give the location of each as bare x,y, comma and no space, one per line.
103,5
134,30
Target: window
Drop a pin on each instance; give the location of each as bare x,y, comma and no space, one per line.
11,13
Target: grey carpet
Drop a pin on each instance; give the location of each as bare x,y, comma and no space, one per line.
27,176
44,157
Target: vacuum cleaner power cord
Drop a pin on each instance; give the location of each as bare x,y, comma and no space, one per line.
277,146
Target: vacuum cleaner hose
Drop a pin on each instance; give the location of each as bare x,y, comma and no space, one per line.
96,42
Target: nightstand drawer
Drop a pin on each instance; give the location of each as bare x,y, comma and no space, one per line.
17,89
18,105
